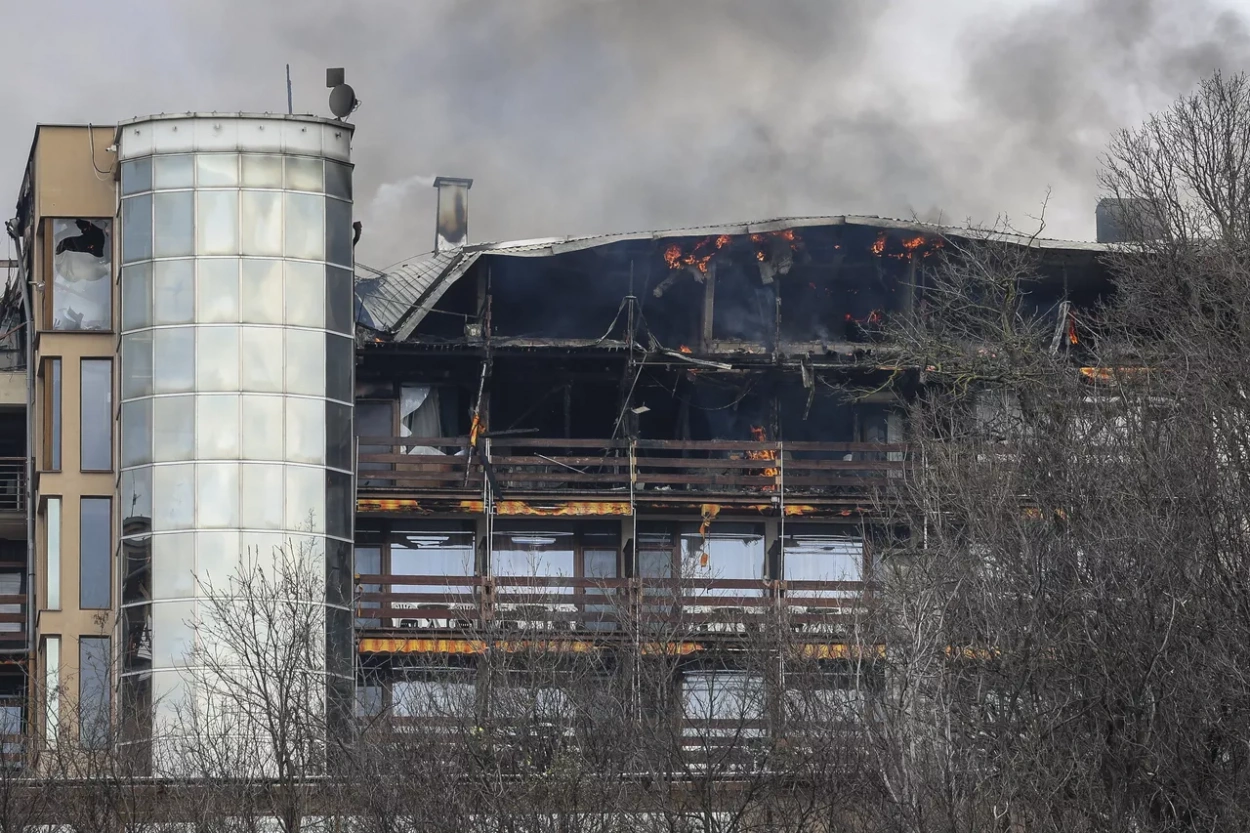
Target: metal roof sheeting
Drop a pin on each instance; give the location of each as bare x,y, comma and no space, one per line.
397,299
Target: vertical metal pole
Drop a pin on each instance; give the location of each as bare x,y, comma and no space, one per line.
290,105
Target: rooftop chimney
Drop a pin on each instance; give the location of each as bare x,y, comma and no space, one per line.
1131,220
452,228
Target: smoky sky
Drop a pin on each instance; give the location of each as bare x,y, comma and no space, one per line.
587,116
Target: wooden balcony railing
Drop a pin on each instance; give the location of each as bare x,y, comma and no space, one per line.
12,484
557,603
525,466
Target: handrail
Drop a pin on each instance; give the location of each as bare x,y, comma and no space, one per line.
12,484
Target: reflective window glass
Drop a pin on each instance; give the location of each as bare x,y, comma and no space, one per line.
218,364
305,226
95,552
96,414
262,223
303,173
173,639
262,359
261,414
136,432
217,557
136,228
339,232
217,225
136,555
338,435
217,495
262,492
82,274
305,294
95,661
340,359
173,291
136,283
338,180
305,362
174,224
533,551
52,575
215,170
305,498
136,176
339,300
173,360
262,291
173,171
173,566
340,503
136,365
217,290
218,421
173,428
135,494
305,430
262,171
52,414
173,497
728,551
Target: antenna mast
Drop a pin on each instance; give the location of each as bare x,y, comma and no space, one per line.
290,106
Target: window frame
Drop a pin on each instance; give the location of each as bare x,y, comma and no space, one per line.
48,300
52,369
107,552
102,712
82,413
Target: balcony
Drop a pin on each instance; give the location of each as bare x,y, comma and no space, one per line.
648,472
12,485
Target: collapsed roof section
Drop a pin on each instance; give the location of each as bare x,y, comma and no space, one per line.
395,301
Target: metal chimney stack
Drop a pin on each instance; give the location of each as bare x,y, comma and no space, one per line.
452,228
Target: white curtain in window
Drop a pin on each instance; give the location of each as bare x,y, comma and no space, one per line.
418,415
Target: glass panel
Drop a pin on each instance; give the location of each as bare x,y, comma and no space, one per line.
262,171
217,495
96,415
95,657
263,369
173,633
340,503
52,437
339,577
136,432
136,228
217,558
305,362
218,365
260,416
173,291
173,171
136,283
137,176
174,224
136,365
305,431
217,226
727,551
262,223
135,494
217,295
82,274
303,173
818,553
262,291
217,169
173,566
52,689
369,563
340,359
136,569
305,294
723,695
173,428
262,496
53,522
533,551
305,499
339,300
305,226
173,360
95,551
173,497
338,180
218,419
339,232
338,436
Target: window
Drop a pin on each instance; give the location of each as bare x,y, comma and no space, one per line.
82,267
725,551
369,563
11,585
53,519
96,414
95,546
52,415
724,703
369,702
821,553
51,689
94,655
445,550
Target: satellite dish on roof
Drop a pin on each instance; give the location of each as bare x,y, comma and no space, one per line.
342,97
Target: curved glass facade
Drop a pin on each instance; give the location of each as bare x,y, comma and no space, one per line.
236,380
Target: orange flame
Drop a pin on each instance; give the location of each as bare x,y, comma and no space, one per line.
878,245
913,243
685,349
1073,338
874,317
758,434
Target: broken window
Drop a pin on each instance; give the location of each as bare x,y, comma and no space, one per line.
82,268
